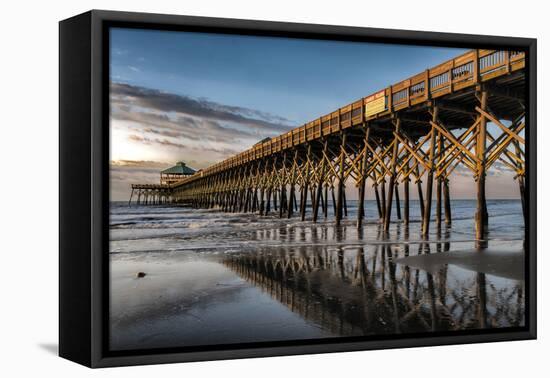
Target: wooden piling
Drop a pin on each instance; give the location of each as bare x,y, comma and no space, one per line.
340,198
420,199
333,200
397,201
322,198
131,195
406,201
303,199
383,199
391,186
282,204
429,183
268,202
305,188
325,201
345,202
378,202
363,180
291,195
521,183
439,185
447,196
481,213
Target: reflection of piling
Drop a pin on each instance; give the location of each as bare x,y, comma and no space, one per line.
305,283
364,291
482,300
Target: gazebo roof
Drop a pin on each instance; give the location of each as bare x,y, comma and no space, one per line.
180,169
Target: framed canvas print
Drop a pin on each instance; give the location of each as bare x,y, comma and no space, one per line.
233,188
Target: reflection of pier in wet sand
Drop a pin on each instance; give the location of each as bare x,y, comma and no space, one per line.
252,279
373,289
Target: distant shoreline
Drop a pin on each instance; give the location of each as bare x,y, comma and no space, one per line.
372,200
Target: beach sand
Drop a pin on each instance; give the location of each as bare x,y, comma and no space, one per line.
185,300
502,262
214,278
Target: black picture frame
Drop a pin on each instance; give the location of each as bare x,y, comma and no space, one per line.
84,195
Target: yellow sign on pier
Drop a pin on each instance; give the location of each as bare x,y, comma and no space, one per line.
375,104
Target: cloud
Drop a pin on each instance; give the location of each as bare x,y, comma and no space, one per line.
164,102
138,163
178,126
134,68
165,128
163,142
124,173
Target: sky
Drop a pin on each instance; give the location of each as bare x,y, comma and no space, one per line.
201,97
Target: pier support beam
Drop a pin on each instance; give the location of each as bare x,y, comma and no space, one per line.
362,181
439,190
481,213
397,201
341,178
447,196
406,203
305,186
420,194
429,183
131,195
378,202
391,186
383,199
320,183
291,192
325,202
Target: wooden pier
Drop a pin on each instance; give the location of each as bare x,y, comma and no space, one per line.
151,194
417,130
160,194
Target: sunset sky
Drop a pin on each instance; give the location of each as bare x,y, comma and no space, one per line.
202,97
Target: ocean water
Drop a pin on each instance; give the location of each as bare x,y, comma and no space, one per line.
224,278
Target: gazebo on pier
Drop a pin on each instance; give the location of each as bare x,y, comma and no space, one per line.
175,173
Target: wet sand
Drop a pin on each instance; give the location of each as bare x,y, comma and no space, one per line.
502,263
214,278
186,300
